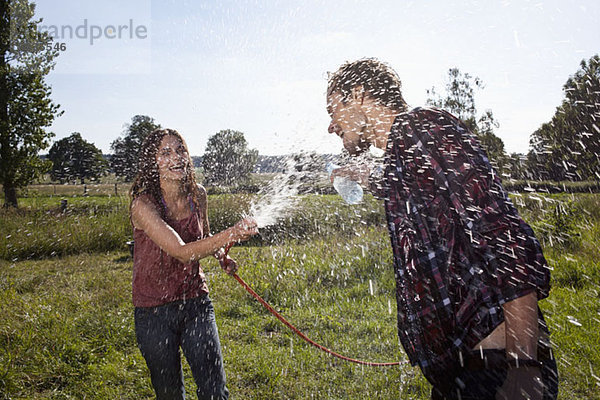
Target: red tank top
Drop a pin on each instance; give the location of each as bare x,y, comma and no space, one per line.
159,278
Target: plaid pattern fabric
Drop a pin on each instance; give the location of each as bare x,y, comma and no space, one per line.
460,248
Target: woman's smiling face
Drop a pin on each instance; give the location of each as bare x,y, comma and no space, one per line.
172,159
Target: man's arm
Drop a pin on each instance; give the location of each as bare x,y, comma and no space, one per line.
523,381
521,318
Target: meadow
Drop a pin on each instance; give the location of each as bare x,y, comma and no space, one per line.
67,321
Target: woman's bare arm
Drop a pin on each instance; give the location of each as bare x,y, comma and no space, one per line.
146,217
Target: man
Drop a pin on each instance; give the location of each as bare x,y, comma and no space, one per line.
469,271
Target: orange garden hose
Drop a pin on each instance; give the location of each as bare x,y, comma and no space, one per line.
302,335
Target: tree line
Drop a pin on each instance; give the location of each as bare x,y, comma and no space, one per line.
27,110
565,148
227,159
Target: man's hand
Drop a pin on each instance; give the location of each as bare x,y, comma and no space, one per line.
522,383
358,173
521,324
522,332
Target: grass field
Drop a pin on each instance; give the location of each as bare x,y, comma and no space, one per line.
67,325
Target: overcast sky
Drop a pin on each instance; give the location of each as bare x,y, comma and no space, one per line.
260,67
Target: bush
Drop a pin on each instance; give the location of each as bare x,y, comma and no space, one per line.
91,224
559,227
314,216
552,187
99,224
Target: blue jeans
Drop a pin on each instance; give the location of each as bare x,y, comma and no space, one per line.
191,325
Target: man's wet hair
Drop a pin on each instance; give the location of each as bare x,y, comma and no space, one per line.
378,80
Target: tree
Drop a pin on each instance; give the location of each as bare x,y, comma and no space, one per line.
517,166
124,160
25,105
227,159
459,100
568,147
75,158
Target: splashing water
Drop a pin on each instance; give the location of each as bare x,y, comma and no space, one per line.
275,200
280,195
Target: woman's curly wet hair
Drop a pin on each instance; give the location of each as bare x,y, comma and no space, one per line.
147,180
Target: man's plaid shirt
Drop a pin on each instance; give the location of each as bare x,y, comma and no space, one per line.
460,248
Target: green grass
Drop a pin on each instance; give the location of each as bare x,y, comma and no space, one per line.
67,329
67,321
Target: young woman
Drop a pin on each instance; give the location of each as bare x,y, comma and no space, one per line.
170,294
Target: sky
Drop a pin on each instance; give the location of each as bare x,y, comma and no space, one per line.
260,67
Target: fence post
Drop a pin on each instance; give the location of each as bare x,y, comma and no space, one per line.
85,189
116,190
63,205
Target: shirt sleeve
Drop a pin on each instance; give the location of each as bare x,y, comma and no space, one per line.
459,168
503,246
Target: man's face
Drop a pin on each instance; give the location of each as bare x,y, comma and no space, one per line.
349,122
